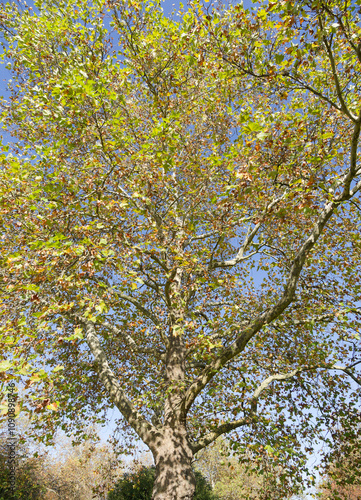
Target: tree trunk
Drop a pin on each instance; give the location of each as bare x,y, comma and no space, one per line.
174,476
174,479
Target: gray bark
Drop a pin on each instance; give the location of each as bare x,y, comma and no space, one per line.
173,458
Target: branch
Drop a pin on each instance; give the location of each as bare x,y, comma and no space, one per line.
337,82
130,341
142,427
221,429
356,205
248,240
200,237
322,317
268,381
230,426
287,74
312,89
280,377
267,316
355,47
272,313
232,262
139,306
356,188
353,159
346,369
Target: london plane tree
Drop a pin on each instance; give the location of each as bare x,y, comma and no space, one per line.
180,214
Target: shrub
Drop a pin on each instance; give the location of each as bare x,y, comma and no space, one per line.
138,486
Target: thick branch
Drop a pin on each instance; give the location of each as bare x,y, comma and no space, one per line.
346,369
267,316
279,376
201,237
130,341
141,426
353,158
221,429
230,426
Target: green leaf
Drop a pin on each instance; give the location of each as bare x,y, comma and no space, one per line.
5,366
58,368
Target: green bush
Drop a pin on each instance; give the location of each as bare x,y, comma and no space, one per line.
139,485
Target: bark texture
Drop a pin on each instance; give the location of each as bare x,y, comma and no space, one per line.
173,455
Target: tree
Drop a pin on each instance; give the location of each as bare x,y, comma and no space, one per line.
28,469
80,473
342,466
67,473
178,207
232,480
331,490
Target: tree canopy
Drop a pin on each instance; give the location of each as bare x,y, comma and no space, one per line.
180,218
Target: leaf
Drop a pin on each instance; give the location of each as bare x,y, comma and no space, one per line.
78,332
52,406
58,368
5,366
253,127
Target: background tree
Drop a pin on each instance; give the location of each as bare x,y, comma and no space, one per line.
64,472
232,479
332,490
81,472
28,472
342,464
178,206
